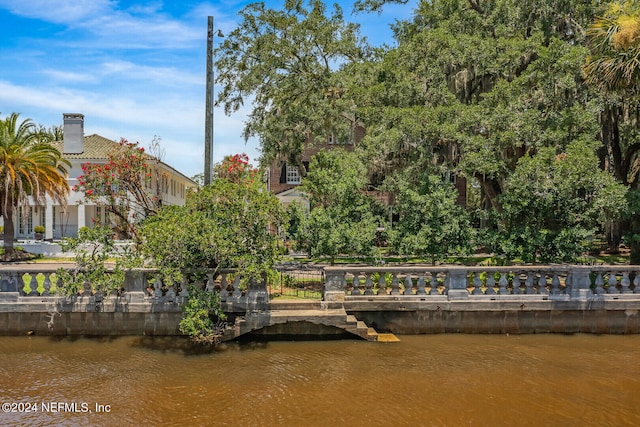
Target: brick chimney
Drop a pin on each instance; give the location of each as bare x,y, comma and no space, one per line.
73,129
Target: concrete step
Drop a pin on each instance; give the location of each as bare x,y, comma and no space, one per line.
295,304
309,313
314,312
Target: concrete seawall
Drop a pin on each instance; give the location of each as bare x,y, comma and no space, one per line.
400,300
504,322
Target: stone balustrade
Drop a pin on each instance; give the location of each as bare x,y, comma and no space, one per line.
401,299
561,282
35,287
448,283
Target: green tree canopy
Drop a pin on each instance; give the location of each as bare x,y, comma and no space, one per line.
343,218
431,223
555,201
283,61
223,225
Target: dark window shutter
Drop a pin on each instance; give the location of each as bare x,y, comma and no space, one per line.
283,174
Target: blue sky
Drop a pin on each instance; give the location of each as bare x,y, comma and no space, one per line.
134,69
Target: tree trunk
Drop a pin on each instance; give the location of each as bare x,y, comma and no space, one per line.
634,256
611,159
491,190
611,139
9,235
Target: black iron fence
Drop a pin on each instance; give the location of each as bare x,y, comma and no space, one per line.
296,281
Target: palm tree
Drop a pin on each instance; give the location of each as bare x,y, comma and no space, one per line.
613,69
614,42
29,166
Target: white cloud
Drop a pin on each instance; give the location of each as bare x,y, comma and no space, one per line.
163,75
58,11
138,27
69,76
178,119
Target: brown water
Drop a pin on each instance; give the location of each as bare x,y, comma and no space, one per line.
439,380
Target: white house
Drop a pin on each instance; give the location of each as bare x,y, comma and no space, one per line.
78,149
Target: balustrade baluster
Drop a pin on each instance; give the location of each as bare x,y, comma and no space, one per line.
408,285
502,284
516,283
46,284
33,284
446,283
157,287
568,282
612,282
368,284
356,285
625,283
184,288
529,283
636,283
88,289
171,292
434,284
224,287
542,284
22,280
237,291
491,284
421,286
382,285
210,284
599,284
555,285
477,284
395,286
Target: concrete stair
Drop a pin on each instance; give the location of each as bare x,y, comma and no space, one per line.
317,312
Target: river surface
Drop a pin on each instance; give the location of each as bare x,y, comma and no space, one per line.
427,380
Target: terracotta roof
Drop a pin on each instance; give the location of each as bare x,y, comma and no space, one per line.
97,147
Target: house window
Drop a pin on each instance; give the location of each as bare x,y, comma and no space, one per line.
449,177
293,175
330,140
21,222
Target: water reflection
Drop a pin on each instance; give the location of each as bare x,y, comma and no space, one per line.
423,380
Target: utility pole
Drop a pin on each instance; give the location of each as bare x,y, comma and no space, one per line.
208,123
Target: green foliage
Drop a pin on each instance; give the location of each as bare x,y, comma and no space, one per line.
202,316
555,202
94,247
632,237
284,60
30,170
39,229
224,224
343,219
430,222
613,41
296,214
473,87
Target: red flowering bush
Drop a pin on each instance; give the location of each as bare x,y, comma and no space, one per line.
236,169
123,186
